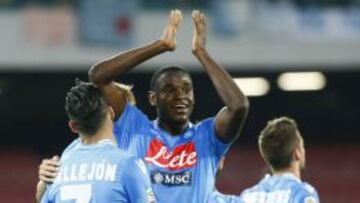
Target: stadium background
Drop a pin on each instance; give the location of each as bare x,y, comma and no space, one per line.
45,45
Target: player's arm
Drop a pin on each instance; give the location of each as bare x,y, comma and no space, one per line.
48,170
105,72
231,118
137,182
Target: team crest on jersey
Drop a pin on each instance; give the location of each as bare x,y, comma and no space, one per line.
171,179
182,157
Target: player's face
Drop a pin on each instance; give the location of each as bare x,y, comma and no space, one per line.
174,97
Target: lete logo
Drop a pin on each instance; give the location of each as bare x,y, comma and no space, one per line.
183,156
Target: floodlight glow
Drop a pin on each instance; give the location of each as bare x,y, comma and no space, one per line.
301,81
256,86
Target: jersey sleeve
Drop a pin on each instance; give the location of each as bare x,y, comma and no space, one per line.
45,198
306,194
208,140
129,126
137,182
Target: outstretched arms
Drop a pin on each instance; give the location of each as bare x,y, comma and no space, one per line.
231,118
105,72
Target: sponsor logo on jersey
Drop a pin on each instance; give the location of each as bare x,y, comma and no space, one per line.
182,157
171,179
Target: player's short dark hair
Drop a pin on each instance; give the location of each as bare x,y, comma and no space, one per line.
85,105
164,70
277,142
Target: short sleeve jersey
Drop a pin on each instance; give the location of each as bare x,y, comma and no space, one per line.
99,173
284,188
182,168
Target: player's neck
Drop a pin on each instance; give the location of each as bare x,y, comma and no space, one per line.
173,129
293,169
106,132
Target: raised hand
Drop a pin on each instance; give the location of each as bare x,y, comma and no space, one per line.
199,37
171,29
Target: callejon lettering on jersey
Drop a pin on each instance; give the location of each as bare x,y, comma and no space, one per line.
171,179
87,172
182,157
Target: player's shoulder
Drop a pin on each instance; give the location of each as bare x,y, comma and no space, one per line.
217,197
247,194
258,186
134,165
133,110
251,189
124,156
309,188
73,144
119,154
306,188
306,193
71,147
135,161
206,123
132,115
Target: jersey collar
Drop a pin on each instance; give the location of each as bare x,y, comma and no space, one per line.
157,127
285,175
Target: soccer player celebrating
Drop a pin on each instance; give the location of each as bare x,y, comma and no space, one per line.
95,170
282,147
182,157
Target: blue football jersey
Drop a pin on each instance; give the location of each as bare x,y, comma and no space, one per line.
182,168
217,197
99,173
284,188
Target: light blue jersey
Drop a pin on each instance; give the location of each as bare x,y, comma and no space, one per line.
182,168
217,197
99,173
284,188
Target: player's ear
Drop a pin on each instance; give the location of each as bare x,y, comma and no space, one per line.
73,125
152,98
297,154
111,113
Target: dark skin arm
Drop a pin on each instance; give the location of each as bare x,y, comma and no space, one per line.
229,120
104,73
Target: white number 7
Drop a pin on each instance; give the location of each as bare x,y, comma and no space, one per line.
80,193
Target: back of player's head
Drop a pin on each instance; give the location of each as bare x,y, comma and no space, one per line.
277,142
165,70
85,105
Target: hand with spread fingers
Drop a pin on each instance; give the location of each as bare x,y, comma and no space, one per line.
199,37
169,36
